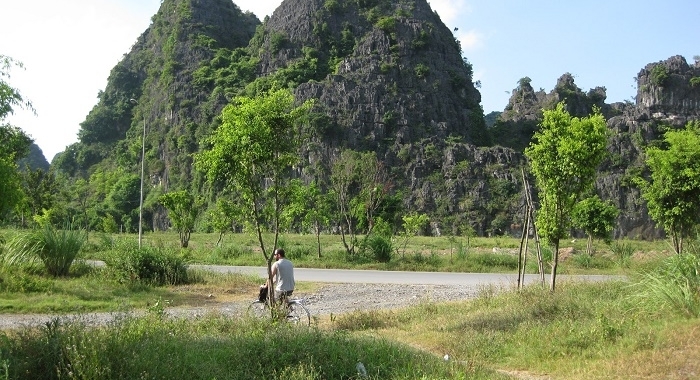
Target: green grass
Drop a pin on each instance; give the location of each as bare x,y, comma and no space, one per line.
88,289
214,347
486,255
581,331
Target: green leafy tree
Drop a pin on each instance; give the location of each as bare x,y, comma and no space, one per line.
596,218
14,144
413,223
672,192
310,208
223,217
317,217
123,200
40,188
361,185
564,156
183,210
252,154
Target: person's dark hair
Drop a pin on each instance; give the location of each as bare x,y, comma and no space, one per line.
279,251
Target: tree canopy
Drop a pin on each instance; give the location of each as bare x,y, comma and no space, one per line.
596,218
564,157
672,191
14,144
252,154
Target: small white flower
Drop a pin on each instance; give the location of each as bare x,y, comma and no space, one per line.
446,357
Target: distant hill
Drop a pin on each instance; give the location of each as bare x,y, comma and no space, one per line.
35,159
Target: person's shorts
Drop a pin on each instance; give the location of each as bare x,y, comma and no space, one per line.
283,294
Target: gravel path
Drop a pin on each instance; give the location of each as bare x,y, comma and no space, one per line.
328,299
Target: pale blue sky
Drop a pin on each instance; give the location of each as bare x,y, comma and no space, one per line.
68,48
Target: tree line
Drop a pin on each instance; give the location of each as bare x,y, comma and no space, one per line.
251,159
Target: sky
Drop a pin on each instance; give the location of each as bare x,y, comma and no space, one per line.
68,48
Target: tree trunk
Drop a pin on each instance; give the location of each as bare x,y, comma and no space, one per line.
318,240
555,263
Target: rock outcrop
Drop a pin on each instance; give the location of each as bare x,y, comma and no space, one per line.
668,95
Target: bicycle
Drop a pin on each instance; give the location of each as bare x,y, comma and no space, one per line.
296,312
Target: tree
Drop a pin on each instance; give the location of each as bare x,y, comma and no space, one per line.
40,188
413,223
10,97
14,144
564,156
361,184
183,210
222,217
672,192
596,218
252,153
310,208
123,200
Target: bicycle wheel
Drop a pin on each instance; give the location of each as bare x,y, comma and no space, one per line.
298,313
258,309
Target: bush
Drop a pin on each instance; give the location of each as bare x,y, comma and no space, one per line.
674,285
659,75
380,247
147,265
623,253
56,249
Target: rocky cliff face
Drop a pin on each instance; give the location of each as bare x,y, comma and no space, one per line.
667,96
396,83
394,72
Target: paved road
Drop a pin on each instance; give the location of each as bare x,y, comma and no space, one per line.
396,277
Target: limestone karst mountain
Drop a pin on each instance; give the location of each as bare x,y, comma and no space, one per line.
388,76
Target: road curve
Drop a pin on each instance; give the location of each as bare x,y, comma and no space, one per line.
399,277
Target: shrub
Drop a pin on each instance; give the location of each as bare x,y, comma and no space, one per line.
674,285
18,281
387,24
56,249
331,5
659,75
380,247
147,265
422,70
623,253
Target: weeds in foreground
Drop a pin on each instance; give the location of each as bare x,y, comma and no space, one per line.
215,347
577,332
674,286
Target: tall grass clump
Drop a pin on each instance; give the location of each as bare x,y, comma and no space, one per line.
213,347
674,285
57,249
146,265
623,252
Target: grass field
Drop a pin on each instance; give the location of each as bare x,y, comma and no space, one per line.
613,330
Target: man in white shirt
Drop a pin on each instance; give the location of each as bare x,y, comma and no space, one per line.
282,275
